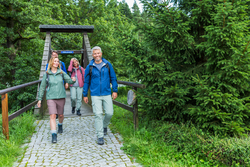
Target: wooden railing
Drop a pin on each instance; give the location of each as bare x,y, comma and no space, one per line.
5,116
133,109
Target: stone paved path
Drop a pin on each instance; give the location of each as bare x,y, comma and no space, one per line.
76,146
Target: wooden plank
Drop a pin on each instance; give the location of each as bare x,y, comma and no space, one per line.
88,48
135,116
126,107
132,84
5,115
22,110
2,92
69,51
85,56
66,28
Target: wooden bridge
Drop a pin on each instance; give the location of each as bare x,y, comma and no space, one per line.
86,57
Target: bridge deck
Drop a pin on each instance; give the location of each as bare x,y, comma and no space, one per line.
76,146
85,109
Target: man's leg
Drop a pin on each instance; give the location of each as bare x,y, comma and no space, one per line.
73,98
108,108
97,109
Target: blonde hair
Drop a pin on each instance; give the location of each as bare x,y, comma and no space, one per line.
51,61
76,61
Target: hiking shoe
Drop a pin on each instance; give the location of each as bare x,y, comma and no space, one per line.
78,113
54,137
73,110
100,141
60,129
105,131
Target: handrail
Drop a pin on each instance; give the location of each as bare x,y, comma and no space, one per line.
133,109
4,101
132,84
4,91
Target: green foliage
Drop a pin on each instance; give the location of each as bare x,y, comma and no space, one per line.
20,128
161,143
194,63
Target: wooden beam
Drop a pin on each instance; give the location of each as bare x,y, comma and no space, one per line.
5,115
135,115
126,107
132,84
17,113
69,51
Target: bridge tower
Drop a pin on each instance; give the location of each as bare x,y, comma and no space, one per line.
85,51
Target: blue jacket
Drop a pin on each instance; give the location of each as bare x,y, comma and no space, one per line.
62,66
100,80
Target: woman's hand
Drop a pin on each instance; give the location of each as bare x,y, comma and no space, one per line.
66,86
39,104
73,78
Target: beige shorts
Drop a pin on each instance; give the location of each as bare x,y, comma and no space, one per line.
56,106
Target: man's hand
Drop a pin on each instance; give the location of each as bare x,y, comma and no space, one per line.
114,95
66,86
86,100
73,78
39,104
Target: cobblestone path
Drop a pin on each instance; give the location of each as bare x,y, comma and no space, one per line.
76,146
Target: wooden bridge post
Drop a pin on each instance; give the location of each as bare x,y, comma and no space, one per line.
135,113
5,118
45,60
87,58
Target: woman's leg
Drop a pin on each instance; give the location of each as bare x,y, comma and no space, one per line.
53,122
60,108
79,100
73,98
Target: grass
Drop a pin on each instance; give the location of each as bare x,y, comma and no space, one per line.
141,144
160,144
20,129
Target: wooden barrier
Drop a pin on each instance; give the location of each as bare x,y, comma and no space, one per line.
133,109
5,115
4,101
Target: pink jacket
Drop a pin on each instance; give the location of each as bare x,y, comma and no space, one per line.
80,76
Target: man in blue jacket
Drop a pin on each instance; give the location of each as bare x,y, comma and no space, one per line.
98,76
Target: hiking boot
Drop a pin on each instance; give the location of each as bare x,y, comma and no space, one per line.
73,110
105,131
60,129
100,141
78,113
54,137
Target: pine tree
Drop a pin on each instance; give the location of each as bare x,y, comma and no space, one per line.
194,61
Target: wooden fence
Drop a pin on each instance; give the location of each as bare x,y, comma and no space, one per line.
5,116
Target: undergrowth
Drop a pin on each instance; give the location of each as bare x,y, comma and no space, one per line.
20,129
161,143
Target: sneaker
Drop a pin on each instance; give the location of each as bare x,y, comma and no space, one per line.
78,113
60,129
100,141
105,131
54,137
73,110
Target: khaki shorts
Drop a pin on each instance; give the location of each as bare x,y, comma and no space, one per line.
56,106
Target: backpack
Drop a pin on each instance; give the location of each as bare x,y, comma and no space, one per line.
91,68
47,81
80,71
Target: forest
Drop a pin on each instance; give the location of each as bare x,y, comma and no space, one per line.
193,56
